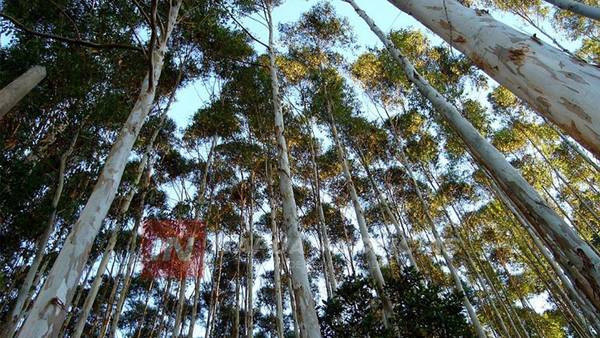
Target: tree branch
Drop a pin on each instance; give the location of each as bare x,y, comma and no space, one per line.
84,43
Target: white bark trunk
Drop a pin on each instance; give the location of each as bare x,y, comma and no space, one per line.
25,291
575,256
16,90
559,87
50,308
91,296
93,292
180,303
331,280
372,262
309,322
276,263
577,8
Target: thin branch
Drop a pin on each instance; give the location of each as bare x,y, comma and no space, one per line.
68,17
244,28
141,9
90,44
153,39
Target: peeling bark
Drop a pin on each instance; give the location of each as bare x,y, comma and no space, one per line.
557,86
575,256
51,306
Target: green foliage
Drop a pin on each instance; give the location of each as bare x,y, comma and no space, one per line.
421,309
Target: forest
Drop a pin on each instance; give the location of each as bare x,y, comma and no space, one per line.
318,168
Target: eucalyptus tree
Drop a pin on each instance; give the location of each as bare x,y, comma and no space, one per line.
308,321
575,255
519,62
47,312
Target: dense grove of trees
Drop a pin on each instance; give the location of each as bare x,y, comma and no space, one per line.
444,181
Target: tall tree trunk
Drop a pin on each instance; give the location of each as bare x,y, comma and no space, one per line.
521,63
308,321
372,262
179,311
91,297
576,256
25,289
236,322
275,250
250,263
142,320
329,271
577,7
199,202
388,211
586,307
16,90
50,307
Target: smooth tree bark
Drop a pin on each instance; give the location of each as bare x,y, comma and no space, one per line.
577,7
276,257
199,201
521,63
329,271
25,291
250,263
372,262
576,257
51,306
308,321
439,242
93,292
388,211
21,86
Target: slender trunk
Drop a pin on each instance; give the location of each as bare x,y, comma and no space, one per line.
521,63
104,320
199,202
275,249
179,311
440,244
388,211
560,176
236,321
25,289
576,256
577,8
308,321
93,292
329,271
214,300
142,320
133,256
250,264
16,90
372,262
586,307
50,307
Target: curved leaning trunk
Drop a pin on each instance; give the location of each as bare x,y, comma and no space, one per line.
51,306
576,257
309,322
577,8
557,86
